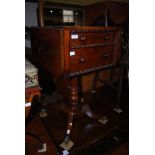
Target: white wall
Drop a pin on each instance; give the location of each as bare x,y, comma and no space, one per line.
30,17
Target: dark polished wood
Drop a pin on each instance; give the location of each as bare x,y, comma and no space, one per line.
69,52
90,137
52,48
31,145
87,133
74,101
29,95
31,92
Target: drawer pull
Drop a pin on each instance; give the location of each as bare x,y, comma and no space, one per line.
107,37
105,55
82,60
83,38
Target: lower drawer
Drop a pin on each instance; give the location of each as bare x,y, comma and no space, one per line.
86,58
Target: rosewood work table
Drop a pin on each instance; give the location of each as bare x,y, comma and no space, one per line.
70,52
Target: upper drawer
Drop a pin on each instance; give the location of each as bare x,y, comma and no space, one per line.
83,38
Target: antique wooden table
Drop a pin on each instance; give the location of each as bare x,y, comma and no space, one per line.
70,52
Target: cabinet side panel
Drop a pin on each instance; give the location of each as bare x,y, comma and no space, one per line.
46,48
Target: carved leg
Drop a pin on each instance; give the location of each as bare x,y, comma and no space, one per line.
73,89
73,101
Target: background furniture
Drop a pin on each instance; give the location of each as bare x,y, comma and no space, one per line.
29,95
32,92
32,88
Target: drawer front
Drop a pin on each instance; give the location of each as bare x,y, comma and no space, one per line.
87,58
88,38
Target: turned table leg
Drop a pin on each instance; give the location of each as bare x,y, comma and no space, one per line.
73,99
